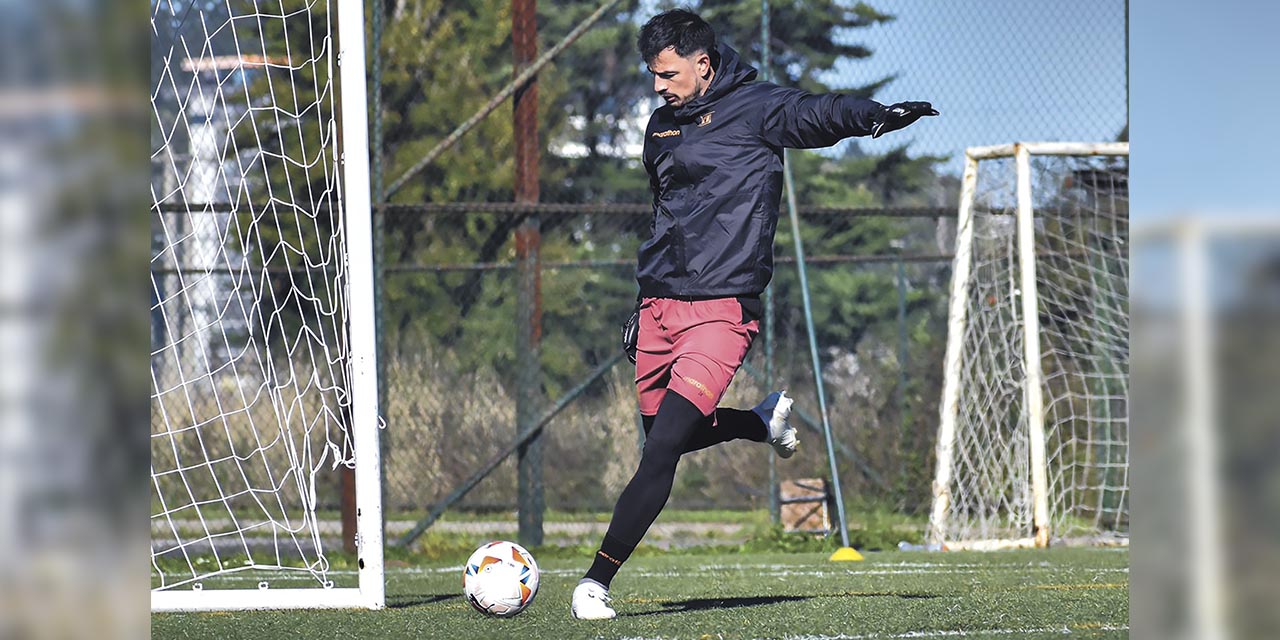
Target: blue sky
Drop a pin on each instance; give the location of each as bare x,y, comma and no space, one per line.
1205,92
1000,71
1204,88
1204,82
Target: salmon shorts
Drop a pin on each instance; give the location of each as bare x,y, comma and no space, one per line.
692,347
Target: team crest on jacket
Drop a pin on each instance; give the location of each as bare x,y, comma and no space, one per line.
705,119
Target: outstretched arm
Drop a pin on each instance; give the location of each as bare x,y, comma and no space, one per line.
802,120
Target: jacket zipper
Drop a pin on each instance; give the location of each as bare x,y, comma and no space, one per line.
681,271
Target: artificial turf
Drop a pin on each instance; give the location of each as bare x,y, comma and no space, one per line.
1012,594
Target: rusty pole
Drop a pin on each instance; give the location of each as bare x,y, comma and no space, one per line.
348,508
531,500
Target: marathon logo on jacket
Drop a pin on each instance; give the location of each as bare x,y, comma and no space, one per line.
666,134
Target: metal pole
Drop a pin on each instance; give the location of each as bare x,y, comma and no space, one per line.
531,498
902,361
641,209
775,507
375,94
379,216
347,508
813,348
379,222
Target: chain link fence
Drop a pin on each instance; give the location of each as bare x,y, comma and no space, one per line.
876,218
999,72
454,374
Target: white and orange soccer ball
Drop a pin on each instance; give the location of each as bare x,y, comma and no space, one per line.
500,579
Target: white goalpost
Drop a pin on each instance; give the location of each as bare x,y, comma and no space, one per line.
263,362
1033,432
1207,304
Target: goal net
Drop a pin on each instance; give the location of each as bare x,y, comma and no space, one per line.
1033,435
262,343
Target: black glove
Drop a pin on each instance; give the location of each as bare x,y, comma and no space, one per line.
897,116
631,333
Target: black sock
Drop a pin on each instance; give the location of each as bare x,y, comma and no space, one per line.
613,552
647,492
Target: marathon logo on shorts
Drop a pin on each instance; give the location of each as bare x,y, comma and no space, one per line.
700,387
666,134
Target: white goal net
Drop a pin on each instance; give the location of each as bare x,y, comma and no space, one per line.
262,357
1033,435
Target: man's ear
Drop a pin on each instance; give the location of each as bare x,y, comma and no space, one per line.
703,64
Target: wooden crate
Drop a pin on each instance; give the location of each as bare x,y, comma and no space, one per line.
804,505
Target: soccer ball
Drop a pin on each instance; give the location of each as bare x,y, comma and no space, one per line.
500,579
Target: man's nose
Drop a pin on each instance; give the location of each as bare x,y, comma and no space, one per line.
659,85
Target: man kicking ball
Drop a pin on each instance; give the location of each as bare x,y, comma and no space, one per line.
714,157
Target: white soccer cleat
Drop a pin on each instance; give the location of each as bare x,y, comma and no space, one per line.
591,601
774,412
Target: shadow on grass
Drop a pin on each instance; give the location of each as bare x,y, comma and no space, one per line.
401,602
702,604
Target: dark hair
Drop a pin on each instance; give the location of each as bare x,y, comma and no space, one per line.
679,28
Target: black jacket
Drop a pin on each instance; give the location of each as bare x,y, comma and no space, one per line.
715,168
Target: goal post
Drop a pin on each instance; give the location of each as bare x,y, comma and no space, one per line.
1033,430
358,201
1206,304
263,359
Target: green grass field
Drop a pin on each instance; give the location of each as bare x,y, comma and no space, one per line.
1015,594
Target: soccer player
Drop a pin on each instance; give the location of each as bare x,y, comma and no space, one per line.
714,157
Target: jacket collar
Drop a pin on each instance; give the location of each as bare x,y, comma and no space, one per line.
731,72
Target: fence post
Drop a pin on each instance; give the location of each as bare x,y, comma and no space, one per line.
789,186
531,499
775,506
379,261
898,246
